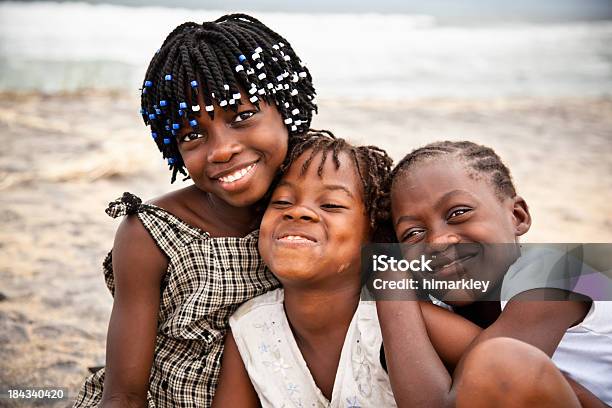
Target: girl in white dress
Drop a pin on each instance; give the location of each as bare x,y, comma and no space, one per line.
313,343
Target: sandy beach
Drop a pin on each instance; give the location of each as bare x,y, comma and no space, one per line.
64,157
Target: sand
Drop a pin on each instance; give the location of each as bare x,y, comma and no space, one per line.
64,157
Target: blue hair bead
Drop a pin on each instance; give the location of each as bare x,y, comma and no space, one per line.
163,103
144,90
166,140
158,111
171,160
180,112
194,84
154,135
151,116
173,132
193,123
142,111
148,84
176,126
167,127
183,105
168,77
241,58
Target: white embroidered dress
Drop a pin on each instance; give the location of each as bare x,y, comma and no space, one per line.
279,372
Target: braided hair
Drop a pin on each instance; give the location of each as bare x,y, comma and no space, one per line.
372,163
480,160
222,59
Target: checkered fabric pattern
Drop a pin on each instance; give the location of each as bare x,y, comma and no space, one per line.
206,280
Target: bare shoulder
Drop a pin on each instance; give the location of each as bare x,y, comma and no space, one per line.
176,201
135,252
188,204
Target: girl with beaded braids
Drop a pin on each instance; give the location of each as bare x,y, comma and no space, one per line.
225,101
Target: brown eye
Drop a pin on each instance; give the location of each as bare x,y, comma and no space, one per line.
280,203
192,136
242,116
332,206
458,212
412,234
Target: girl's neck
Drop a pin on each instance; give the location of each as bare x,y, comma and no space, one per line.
317,313
242,220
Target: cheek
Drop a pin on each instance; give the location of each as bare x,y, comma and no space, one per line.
265,233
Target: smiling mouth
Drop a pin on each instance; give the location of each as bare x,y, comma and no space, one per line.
296,239
238,174
452,264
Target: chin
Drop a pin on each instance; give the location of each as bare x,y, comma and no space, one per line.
291,270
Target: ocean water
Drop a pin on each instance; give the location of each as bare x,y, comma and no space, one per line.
53,47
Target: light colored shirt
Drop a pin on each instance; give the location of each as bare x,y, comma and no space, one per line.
279,372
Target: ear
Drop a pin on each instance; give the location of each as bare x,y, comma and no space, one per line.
520,216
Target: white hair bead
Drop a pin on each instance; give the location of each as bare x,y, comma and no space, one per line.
261,76
209,108
259,65
254,98
223,103
236,95
295,111
258,50
261,91
239,68
288,121
294,92
195,108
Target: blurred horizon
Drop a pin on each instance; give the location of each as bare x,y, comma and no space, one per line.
434,49
443,10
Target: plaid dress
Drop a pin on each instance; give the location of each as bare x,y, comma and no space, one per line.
206,280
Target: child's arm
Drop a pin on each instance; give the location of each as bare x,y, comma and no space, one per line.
420,339
234,388
410,335
138,268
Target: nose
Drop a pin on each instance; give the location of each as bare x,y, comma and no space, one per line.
224,145
441,239
302,213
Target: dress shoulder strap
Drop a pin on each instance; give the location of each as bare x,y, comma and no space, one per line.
169,232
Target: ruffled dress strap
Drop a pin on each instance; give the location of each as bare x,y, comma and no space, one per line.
170,233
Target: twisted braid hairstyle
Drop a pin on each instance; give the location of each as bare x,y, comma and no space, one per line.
230,60
479,160
373,166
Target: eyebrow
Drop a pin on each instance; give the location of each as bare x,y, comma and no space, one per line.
330,187
449,195
436,206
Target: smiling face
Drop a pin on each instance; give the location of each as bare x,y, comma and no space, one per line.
237,155
314,226
438,203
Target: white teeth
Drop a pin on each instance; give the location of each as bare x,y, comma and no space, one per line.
295,238
237,175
